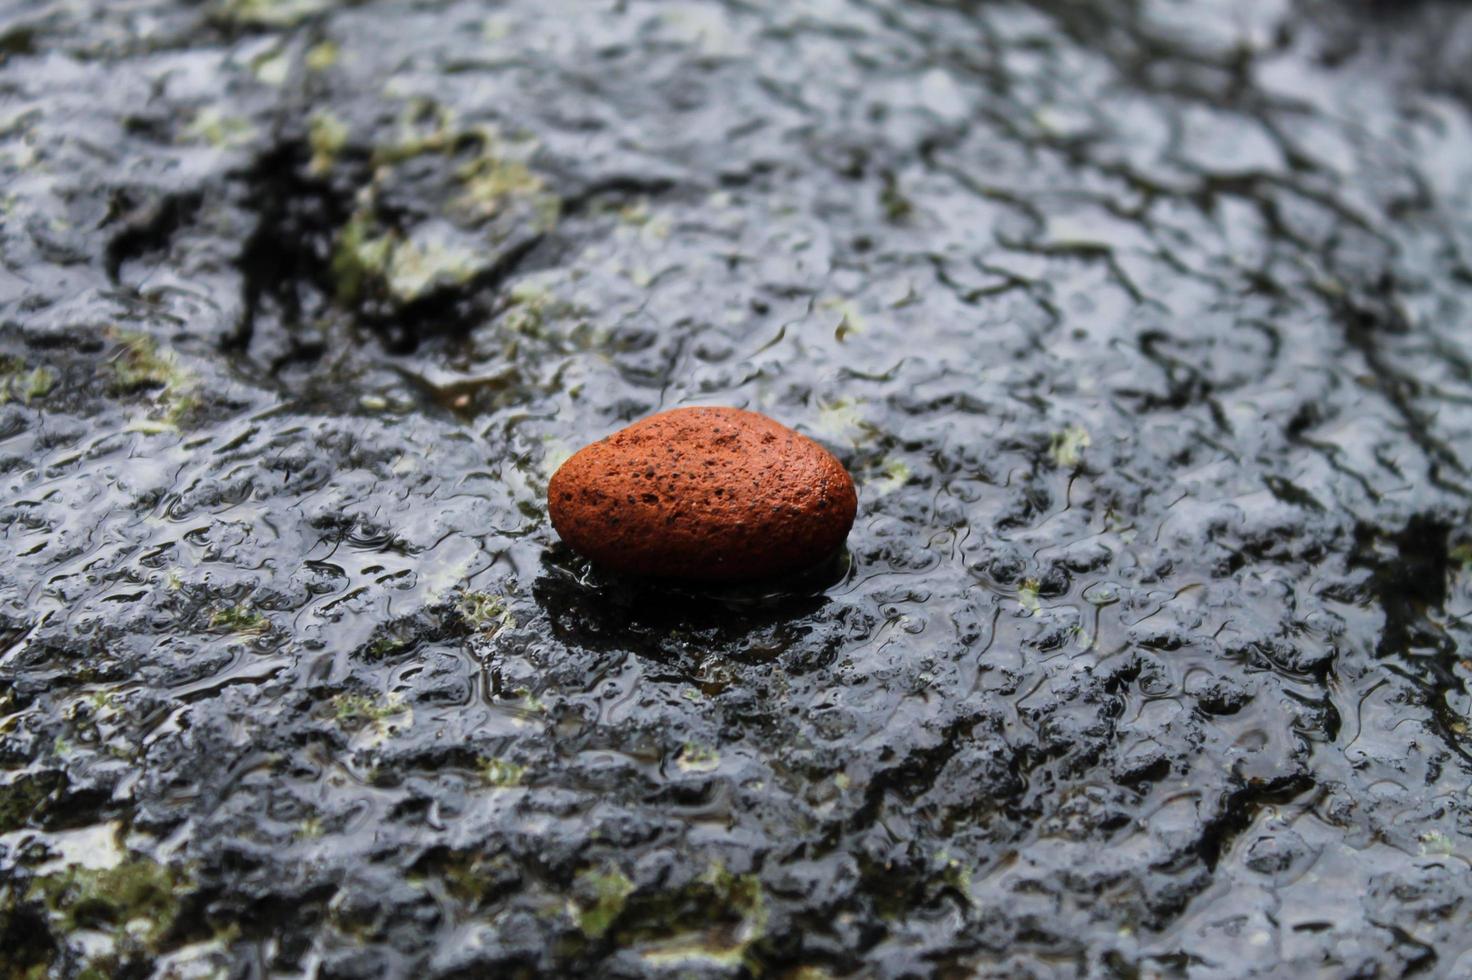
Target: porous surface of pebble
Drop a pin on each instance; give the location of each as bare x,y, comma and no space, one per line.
704,494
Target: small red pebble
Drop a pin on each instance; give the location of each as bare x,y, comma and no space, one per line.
704,494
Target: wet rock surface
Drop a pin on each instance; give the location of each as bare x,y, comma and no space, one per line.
704,494
1142,326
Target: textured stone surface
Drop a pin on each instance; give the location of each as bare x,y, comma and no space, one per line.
705,494
1141,325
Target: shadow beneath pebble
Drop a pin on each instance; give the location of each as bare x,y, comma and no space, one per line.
673,622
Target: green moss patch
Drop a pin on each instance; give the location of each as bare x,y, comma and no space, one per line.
19,383
22,795
243,619
142,365
601,894
137,900
717,920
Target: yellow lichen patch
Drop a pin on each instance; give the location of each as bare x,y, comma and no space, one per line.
360,256
500,773
1027,596
484,612
322,56
21,384
417,267
494,195
501,176
326,135
638,222
497,27
1067,447
841,421
243,619
424,127
497,176
373,719
894,473
432,257
270,13
141,364
408,268
602,894
528,306
272,68
850,320
212,126
697,758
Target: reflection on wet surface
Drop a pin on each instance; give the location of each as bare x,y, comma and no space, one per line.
1142,327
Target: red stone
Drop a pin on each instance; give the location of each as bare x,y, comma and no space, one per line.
704,494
